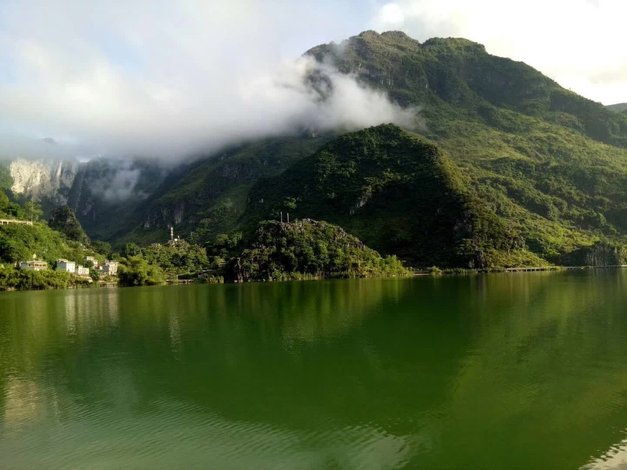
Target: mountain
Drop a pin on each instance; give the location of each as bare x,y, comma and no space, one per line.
458,75
533,171
551,165
544,159
620,107
102,192
396,192
47,182
308,249
208,196
105,193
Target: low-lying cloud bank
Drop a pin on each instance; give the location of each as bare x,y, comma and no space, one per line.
174,126
283,102
157,79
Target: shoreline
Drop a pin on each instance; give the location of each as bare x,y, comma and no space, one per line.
417,273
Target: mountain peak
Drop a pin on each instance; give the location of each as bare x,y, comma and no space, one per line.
459,44
368,34
619,107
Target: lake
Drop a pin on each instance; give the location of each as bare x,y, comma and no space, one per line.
478,372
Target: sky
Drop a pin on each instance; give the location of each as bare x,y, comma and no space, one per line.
167,78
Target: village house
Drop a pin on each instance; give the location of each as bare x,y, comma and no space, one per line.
110,268
33,265
93,260
66,266
82,271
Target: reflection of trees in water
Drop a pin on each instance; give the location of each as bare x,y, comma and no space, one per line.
416,359
551,359
34,325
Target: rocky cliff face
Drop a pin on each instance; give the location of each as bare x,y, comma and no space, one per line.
102,192
599,254
106,192
48,182
45,181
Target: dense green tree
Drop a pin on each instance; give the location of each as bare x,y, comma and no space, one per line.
5,203
308,249
20,242
131,249
16,279
136,271
177,258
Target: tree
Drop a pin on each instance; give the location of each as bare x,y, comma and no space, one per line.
135,271
131,249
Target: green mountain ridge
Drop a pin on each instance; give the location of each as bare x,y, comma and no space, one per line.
106,192
207,197
307,249
539,168
619,107
523,170
548,164
396,192
459,72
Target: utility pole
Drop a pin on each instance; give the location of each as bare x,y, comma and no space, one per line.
281,216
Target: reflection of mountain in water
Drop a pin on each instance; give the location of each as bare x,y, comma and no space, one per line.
422,372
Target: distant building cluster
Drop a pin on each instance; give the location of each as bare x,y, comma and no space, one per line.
33,265
108,268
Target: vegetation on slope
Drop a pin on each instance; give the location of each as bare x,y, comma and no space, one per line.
21,242
545,160
106,192
207,197
399,194
619,107
308,249
460,74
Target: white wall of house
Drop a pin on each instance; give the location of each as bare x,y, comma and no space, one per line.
82,270
64,265
33,265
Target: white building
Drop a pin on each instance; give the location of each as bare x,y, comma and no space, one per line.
33,265
110,268
66,266
93,260
82,270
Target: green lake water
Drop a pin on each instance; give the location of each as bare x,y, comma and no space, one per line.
483,372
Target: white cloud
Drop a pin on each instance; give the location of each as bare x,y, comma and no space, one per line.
157,77
165,78
578,43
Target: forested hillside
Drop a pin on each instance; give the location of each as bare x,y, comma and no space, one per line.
503,166
399,194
